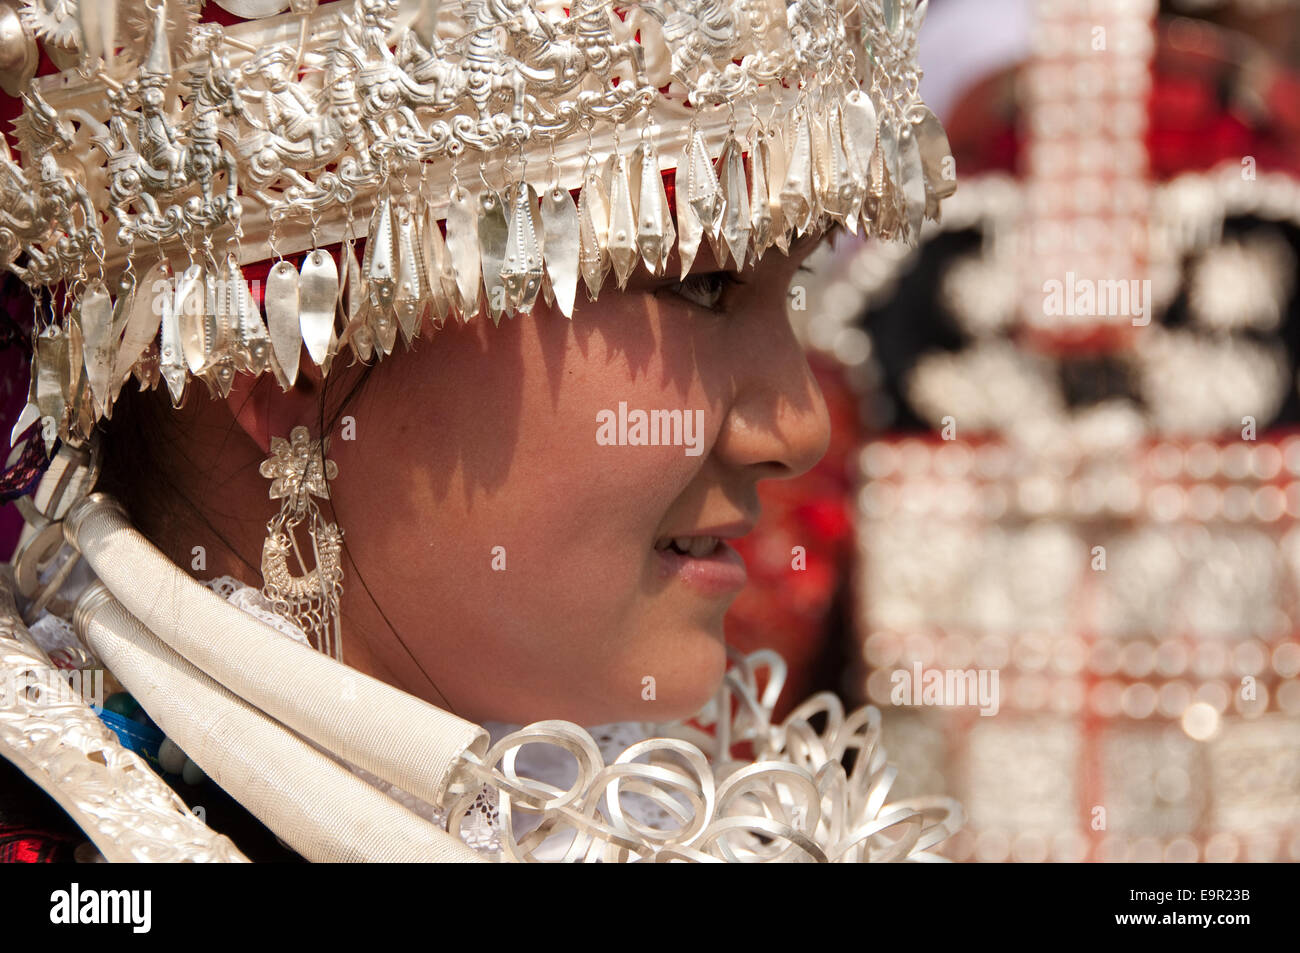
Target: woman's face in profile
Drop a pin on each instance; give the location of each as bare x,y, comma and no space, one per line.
542,508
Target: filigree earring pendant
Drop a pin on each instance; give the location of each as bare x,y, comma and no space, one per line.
309,597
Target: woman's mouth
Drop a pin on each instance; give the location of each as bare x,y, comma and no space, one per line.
697,546
705,564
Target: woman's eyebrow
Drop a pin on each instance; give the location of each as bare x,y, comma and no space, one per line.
642,280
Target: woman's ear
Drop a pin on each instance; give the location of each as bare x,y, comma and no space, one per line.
263,410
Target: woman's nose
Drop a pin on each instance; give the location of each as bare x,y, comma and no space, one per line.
777,420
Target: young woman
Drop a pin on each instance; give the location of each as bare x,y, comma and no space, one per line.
511,521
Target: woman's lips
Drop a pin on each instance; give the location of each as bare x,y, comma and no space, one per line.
718,573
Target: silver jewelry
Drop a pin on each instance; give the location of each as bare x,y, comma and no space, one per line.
272,134
309,597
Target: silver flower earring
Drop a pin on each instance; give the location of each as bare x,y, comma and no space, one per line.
298,471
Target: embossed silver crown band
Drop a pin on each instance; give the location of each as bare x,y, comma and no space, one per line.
149,178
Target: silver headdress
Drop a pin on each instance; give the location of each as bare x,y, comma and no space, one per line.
452,139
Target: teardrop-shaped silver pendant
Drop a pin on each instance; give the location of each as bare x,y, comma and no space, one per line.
773,148
123,302
521,272
797,189
189,305
817,132
462,247
493,236
252,341
50,366
735,198
215,337
760,212
356,331
888,148
354,295
282,318
80,418
843,192
379,235
703,192
621,243
318,285
171,361
97,340
593,233
936,161
858,127
380,264
408,298
144,320
433,264
690,228
913,182
655,234
560,219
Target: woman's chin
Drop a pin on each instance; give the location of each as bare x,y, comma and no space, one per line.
669,667
687,676
672,683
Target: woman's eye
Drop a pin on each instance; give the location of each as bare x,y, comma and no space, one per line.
706,289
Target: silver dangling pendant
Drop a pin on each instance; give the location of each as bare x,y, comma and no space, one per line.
143,322
434,265
318,292
356,307
97,342
560,222
736,226
937,163
593,232
380,272
309,597
522,269
655,234
170,361
462,249
493,236
912,182
621,244
282,319
797,191
189,305
409,289
218,325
